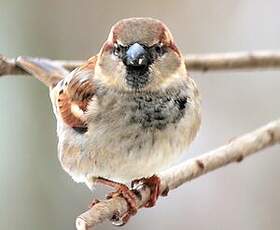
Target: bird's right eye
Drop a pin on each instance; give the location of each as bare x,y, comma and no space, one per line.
117,50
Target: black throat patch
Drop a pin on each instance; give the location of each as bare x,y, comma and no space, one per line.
137,78
154,111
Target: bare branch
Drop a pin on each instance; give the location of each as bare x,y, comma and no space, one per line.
234,61
235,151
201,62
8,67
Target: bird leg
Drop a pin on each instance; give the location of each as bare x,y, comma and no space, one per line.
130,196
127,194
154,183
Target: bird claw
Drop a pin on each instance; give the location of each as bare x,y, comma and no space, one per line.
154,183
130,197
123,191
118,220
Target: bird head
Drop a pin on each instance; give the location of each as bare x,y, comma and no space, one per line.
139,54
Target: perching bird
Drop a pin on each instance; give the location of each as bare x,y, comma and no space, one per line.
126,114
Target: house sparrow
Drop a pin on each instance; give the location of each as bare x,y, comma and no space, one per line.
128,113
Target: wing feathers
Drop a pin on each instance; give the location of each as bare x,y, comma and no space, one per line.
75,89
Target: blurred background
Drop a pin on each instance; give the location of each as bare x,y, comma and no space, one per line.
35,193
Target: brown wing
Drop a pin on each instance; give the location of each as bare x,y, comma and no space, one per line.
76,92
75,89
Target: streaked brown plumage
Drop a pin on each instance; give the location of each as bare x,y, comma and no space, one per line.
128,113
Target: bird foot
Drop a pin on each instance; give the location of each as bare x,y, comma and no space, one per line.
154,183
130,196
127,194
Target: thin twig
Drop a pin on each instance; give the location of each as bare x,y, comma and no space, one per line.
235,151
234,61
200,62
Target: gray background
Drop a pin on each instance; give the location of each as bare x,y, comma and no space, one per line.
35,193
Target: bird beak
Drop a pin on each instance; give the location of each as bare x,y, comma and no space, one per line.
137,56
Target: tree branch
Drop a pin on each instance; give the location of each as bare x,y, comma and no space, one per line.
234,61
235,151
201,62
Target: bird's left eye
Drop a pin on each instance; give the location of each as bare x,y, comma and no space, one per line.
117,50
160,49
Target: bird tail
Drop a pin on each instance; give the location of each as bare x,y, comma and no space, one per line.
45,70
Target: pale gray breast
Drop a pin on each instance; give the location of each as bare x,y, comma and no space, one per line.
126,121
145,110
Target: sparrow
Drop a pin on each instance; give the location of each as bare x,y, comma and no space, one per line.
127,113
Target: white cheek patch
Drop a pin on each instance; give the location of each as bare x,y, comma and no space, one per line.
75,109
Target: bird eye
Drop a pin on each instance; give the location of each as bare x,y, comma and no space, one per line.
160,49
117,50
